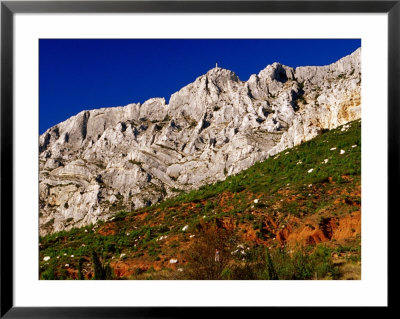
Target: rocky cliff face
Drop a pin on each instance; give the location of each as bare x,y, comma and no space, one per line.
105,160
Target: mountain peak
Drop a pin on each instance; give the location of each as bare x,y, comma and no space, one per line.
222,74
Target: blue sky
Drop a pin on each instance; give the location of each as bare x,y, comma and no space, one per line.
76,75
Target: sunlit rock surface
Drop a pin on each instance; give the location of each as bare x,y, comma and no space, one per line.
122,158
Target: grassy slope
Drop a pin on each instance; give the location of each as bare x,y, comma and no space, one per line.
274,204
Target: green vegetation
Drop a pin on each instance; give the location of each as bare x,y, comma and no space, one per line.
303,264
100,165
138,163
101,272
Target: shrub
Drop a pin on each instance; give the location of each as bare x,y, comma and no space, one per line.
49,274
209,255
80,274
100,272
209,206
235,186
270,272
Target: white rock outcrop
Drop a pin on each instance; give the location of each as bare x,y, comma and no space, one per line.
101,161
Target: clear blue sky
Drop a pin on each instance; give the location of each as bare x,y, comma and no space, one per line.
76,75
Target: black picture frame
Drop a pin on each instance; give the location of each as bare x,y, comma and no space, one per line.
9,8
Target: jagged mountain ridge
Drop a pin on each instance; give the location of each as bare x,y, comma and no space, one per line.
104,160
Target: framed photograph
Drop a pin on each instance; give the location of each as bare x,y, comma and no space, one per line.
161,156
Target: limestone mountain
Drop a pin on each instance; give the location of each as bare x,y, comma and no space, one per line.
123,158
